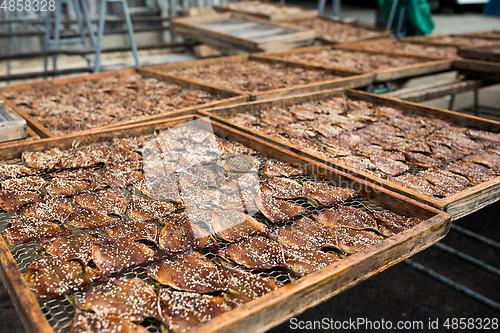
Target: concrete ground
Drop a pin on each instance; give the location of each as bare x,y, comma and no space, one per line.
399,293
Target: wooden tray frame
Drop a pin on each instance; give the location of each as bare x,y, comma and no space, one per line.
284,303
480,53
378,33
457,205
229,98
487,70
409,71
304,14
361,46
489,34
351,79
186,26
431,39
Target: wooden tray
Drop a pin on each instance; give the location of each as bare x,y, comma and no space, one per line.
236,31
228,98
326,38
377,46
457,205
491,34
350,79
283,11
487,70
284,303
481,53
409,71
464,41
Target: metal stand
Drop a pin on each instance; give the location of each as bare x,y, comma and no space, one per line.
335,8
130,29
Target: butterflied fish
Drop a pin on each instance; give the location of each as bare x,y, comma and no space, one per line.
490,160
276,210
448,182
484,135
8,171
390,223
114,255
119,155
188,272
78,174
348,217
135,143
357,162
328,195
71,247
10,201
141,209
242,287
67,187
352,240
121,178
51,277
276,116
235,148
130,299
476,173
423,160
282,188
305,261
389,166
306,234
241,163
73,159
54,209
303,111
193,196
85,322
276,168
160,189
30,183
98,154
408,146
181,235
197,176
444,152
181,311
86,218
132,231
42,160
418,184
21,229
258,253
109,201
234,182
233,225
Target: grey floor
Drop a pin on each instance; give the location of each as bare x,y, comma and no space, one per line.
401,293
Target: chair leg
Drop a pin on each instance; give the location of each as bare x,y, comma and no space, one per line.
130,29
100,32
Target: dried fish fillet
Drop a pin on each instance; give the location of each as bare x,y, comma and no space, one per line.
305,261
121,178
11,201
98,154
418,184
135,143
30,183
258,253
235,148
448,182
119,155
21,229
132,231
306,234
86,218
78,174
276,168
423,160
67,187
51,277
86,322
188,272
276,210
54,209
129,299
282,188
492,161
42,160
114,255
73,159
389,166
109,201
181,235
233,225
142,209
241,163
476,173
390,224
352,240
72,247
160,189
347,217
8,171
328,195
181,311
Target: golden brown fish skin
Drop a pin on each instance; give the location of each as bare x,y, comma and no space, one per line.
391,224
54,209
275,168
119,155
305,261
9,171
51,277
306,234
114,255
282,188
129,299
30,183
233,225
21,229
11,201
490,160
328,195
241,163
476,173
85,322
389,166
347,217
182,311
448,182
72,247
418,184
276,210
258,253
42,160
188,272
86,218
146,210
67,187
352,240
73,159
132,231
109,201
243,287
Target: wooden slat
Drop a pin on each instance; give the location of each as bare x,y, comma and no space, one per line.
301,13
480,53
481,66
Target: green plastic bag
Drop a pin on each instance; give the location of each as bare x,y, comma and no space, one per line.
419,20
